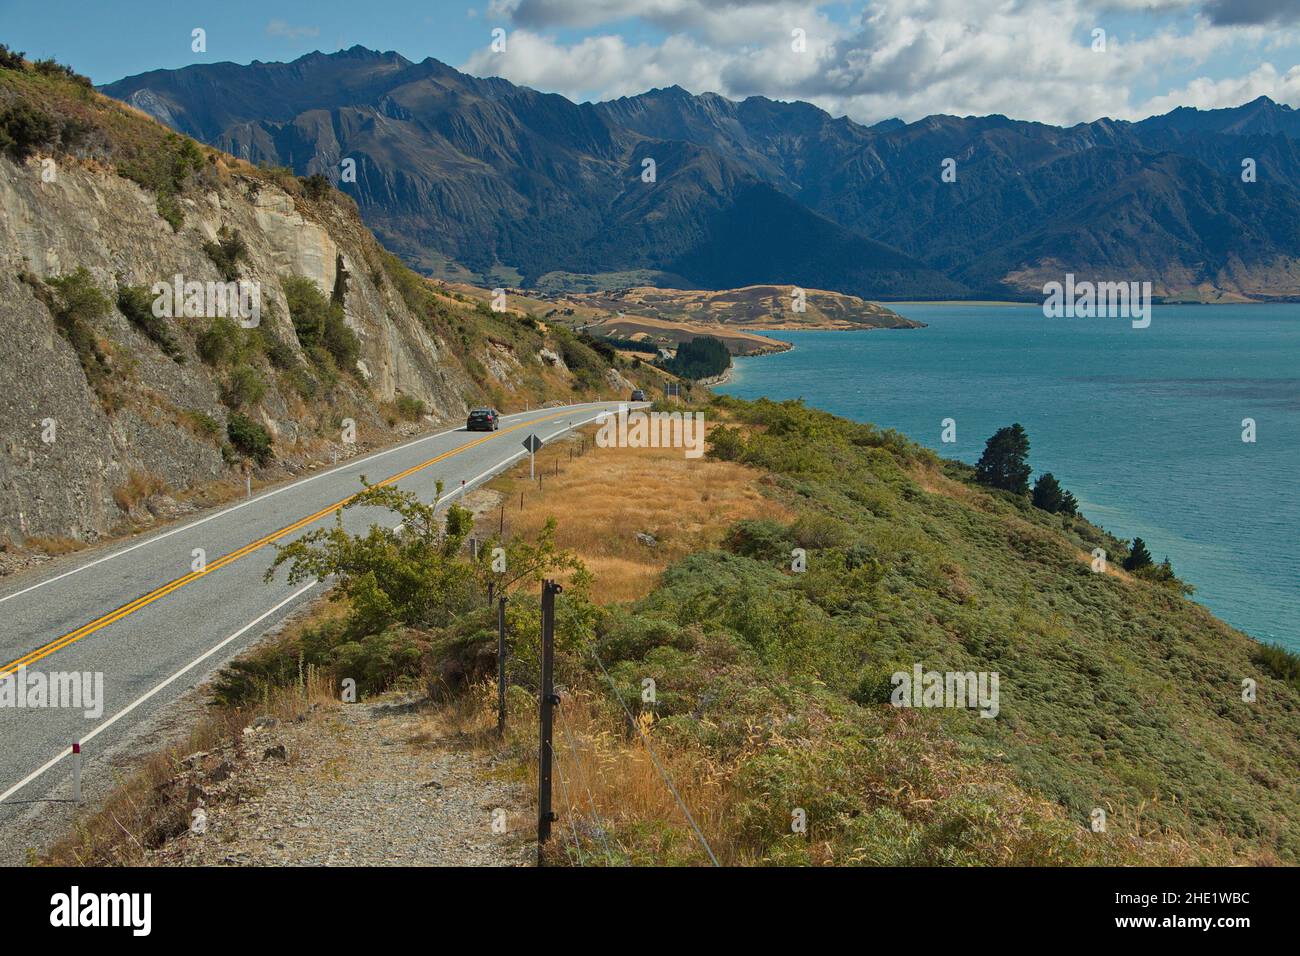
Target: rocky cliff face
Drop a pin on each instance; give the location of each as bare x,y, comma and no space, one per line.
65,449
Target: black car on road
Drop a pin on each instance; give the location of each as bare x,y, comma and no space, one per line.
483,420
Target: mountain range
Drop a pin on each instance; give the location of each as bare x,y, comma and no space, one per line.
483,180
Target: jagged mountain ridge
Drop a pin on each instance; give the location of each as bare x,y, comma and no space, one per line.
494,175
501,177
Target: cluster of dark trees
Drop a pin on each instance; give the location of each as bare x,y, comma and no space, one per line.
1005,465
702,357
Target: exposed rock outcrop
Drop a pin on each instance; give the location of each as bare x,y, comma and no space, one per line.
65,449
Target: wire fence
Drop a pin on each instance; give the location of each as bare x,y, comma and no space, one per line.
654,758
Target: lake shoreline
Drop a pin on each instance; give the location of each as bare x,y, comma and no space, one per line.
1194,377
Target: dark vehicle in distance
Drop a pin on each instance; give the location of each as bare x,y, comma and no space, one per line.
483,420
638,395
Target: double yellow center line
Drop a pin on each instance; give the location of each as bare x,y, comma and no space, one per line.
158,593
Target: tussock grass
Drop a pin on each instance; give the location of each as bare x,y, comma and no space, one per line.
601,499
54,546
139,487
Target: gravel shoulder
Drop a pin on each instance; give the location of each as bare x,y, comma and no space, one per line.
349,785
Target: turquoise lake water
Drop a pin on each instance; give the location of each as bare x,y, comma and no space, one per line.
1143,425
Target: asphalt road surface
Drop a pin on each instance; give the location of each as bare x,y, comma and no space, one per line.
137,614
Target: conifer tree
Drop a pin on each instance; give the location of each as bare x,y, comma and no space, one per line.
1003,464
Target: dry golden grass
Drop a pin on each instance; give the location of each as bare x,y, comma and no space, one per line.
604,779
614,807
139,486
601,499
53,546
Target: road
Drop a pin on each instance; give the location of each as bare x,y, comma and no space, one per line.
139,615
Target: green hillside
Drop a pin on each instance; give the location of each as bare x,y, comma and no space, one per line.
773,686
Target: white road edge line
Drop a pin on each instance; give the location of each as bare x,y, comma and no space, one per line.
500,466
244,504
506,463
144,697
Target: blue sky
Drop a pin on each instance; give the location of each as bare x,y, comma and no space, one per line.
1032,59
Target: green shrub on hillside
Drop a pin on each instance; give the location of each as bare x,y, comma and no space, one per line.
762,539
11,59
51,67
1281,663
25,130
410,408
583,361
136,303
201,423
79,304
726,443
320,325
277,351
164,171
1163,574
316,186
249,437
244,387
221,342
414,577
226,252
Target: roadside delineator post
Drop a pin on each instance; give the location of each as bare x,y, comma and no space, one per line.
548,700
76,772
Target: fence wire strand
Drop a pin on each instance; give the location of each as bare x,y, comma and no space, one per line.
591,798
564,789
654,757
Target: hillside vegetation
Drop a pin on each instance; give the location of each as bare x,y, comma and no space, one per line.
772,687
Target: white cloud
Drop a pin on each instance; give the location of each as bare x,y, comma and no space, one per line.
1031,59
600,66
1207,94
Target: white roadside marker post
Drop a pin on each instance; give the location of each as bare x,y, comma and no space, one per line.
76,772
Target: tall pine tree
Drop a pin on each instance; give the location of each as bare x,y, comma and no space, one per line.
1003,464
1138,556
1047,493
